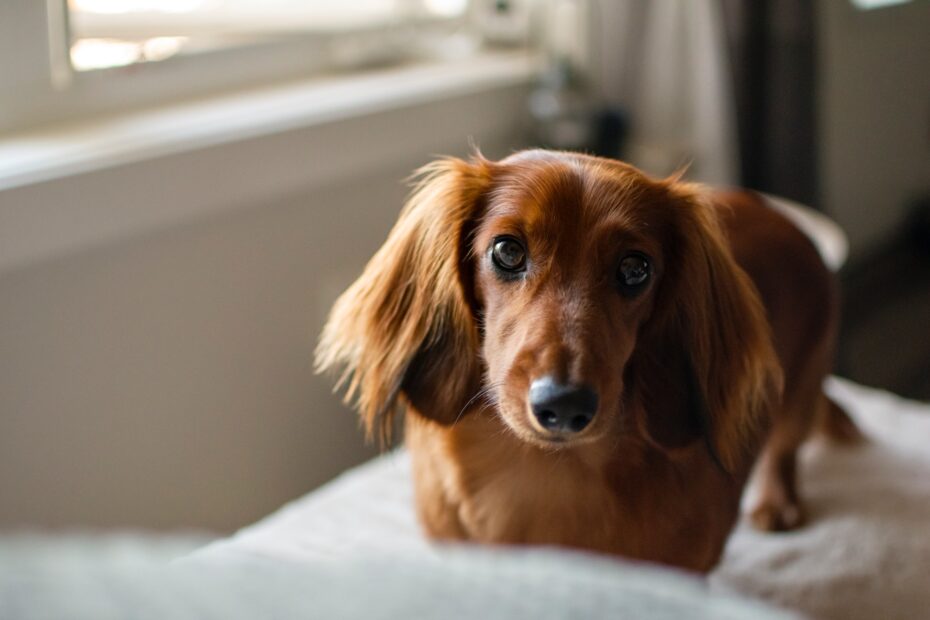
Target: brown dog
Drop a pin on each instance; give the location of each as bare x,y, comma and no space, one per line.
590,357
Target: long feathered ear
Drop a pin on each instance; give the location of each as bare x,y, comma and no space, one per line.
406,326
709,355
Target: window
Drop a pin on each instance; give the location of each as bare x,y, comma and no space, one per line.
69,59
109,33
867,5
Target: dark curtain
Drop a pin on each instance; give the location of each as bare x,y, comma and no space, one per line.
773,57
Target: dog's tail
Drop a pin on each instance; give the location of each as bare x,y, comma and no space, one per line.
836,425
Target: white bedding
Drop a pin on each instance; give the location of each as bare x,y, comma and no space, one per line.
864,554
456,584
353,550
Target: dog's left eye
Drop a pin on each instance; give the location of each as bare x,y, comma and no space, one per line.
508,254
633,273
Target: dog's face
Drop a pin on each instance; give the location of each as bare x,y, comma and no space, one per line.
576,295
568,262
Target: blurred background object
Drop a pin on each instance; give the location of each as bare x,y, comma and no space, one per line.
186,185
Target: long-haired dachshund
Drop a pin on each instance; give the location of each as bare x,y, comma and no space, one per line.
590,357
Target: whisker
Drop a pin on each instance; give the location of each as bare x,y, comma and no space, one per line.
484,392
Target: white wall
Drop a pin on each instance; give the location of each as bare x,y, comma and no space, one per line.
165,380
874,115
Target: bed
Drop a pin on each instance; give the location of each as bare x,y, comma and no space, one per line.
353,549
864,554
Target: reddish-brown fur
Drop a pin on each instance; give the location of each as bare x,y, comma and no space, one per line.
689,373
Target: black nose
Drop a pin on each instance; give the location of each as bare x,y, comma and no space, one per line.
562,408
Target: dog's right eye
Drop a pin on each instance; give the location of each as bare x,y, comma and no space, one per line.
633,273
508,254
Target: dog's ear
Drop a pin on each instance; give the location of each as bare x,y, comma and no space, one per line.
406,327
708,366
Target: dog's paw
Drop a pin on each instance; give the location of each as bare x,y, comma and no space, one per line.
776,517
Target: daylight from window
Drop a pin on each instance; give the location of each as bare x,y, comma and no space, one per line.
113,33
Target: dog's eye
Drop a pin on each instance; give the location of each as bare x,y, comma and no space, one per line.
508,254
633,273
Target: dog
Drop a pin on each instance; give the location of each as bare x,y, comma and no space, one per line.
590,357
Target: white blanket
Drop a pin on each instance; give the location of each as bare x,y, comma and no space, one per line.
353,550
864,554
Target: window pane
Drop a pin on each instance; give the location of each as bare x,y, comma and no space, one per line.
108,33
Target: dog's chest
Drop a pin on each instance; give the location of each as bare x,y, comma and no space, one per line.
476,483
501,490
533,499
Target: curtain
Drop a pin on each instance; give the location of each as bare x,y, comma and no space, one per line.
681,98
772,47
727,86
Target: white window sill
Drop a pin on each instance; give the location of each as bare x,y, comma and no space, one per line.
68,187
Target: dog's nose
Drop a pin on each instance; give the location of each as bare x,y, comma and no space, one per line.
562,408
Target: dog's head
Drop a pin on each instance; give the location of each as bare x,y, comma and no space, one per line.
575,295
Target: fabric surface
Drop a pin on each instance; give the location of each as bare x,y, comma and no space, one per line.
353,549
88,581
865,552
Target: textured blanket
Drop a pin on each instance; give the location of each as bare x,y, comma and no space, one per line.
353,549
865,552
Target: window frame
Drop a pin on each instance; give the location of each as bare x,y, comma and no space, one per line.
42,86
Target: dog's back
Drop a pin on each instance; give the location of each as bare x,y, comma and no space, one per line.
801,298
